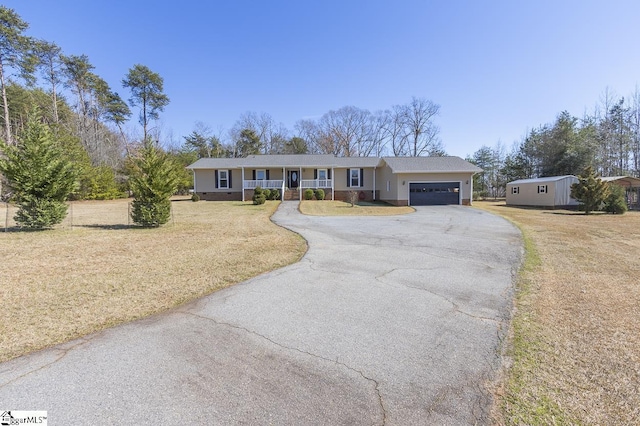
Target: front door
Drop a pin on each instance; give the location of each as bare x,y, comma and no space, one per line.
292,178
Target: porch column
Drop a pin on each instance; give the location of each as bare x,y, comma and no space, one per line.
333,179
195,191
243,184
374,184
300,182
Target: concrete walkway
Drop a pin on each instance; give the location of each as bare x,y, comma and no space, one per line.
386,320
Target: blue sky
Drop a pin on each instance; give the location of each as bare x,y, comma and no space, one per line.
496,68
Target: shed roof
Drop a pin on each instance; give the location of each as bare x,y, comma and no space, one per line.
630,181
430,164
542,179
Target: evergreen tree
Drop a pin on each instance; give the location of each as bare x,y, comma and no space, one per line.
153,179
39,175
615,202
590,190
146,92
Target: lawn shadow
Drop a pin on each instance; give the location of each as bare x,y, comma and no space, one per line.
108,227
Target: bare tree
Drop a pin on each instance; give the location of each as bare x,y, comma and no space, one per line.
346,132
420,130
308,131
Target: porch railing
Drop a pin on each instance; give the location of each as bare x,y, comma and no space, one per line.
315,183
252,184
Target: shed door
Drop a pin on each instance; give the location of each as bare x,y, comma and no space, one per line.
434,193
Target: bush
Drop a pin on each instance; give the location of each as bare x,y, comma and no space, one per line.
319,194
151,214
267,193
259,196
195,197
352,197
308,194
275,195
615,201
39,176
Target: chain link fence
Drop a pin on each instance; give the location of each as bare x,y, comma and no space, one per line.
110,214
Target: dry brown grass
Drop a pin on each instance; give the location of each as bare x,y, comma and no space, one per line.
576,342
60,284
341,208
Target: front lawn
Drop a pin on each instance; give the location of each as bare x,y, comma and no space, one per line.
340,208
95,271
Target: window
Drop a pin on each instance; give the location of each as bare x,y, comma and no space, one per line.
354,177
322,174
542,189
223,179
388,185
515,190
261,174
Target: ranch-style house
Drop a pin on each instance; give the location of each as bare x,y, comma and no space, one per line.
396,180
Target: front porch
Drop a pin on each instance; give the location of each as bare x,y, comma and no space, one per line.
288,187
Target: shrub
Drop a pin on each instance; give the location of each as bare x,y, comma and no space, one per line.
319,194
615,201
267,193
195,197
308,194
275,195
590,190
259,196
153,180
352,197
38,175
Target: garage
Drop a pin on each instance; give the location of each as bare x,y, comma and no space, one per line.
434,193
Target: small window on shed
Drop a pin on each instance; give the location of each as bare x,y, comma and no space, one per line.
515,189
542,189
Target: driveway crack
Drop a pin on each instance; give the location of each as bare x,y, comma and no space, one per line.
63,353
335,361
456,307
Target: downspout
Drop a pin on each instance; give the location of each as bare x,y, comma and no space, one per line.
243,184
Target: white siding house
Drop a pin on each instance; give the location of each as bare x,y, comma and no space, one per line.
552,191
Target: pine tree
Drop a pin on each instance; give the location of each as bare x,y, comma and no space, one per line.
590,190
153,179
615,202
39,175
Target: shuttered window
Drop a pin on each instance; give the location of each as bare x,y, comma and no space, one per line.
223,179
355,178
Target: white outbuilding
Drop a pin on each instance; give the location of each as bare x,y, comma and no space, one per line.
554,191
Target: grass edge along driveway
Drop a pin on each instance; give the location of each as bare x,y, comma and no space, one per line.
574,343
95,271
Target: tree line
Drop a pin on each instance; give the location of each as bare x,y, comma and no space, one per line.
607,140
403,130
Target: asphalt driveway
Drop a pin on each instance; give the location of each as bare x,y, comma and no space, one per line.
386,320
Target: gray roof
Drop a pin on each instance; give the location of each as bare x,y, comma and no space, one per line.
430,164
542,179
283,160
358,161
397,164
